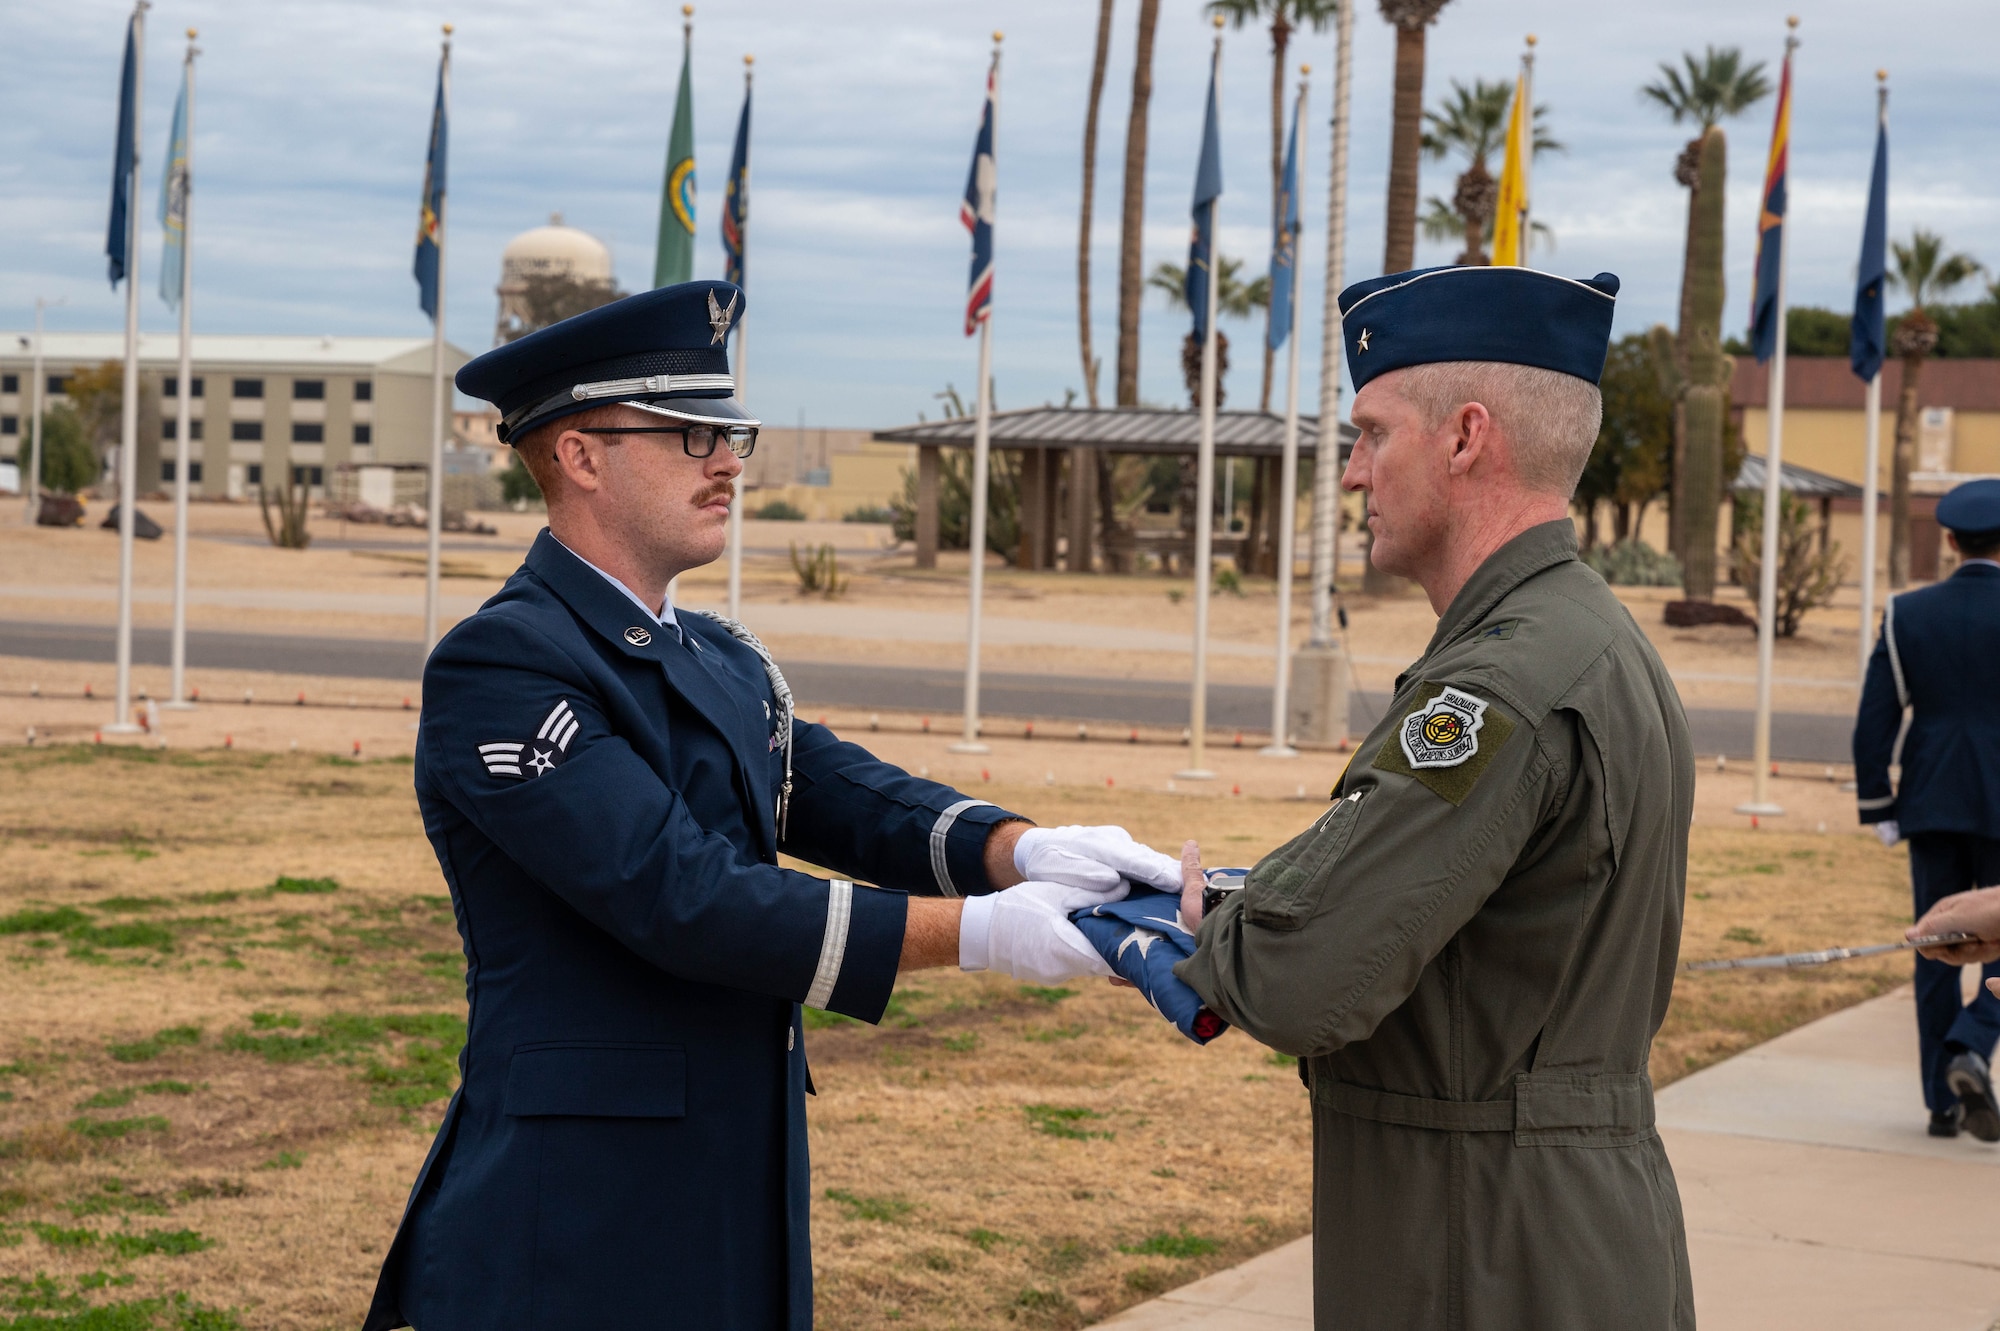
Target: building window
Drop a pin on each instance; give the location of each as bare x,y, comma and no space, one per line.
10,425
10,383
246,432
309,390
308,432
254,474
364,390
364,433
57,385
247,388
173,386
167,472
170,426
308,476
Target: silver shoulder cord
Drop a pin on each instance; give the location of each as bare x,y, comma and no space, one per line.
779,690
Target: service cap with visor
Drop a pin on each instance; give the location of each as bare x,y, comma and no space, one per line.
665,352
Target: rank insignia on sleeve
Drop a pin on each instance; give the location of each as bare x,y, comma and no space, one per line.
1445,733
521,760
1445,740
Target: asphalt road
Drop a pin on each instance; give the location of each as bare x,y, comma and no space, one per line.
1795,736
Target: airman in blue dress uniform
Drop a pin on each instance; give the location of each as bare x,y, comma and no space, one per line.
607,782
1931,706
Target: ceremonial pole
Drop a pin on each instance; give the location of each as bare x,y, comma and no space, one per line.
1204,519
1871,496
742,360
1527,148
1288,485
1761,803
128,429
177,698
1326,455
33,489
970,742
434,547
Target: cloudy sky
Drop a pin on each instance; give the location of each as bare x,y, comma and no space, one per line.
312,119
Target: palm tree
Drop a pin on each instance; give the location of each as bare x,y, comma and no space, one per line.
1090,363
1131,240
1703,93
1410,17
1923,269
1473,122
1234,299
1286,17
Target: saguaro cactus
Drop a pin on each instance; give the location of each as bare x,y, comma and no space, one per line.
1698,379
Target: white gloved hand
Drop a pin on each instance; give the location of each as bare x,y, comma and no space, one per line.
1099,859
1889,832
1026,932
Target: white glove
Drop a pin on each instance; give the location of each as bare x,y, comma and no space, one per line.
1025,932
1100,859
1889,832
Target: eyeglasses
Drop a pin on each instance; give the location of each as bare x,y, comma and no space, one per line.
697,441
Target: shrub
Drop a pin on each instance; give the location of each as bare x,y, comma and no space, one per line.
779,511
1634,564
875,513
818,571
1807,575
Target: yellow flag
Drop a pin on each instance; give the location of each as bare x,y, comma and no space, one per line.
1510,247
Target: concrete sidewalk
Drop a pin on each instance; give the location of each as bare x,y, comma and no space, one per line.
1813,1197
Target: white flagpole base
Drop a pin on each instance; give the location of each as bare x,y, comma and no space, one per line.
122,728
180,706
969,746
1277,751
1194,774
1765,810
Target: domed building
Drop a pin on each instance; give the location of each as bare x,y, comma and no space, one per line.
548,251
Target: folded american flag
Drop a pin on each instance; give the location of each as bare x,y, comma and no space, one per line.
1142,937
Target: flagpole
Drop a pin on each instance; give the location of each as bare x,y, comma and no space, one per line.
742,360
128,431
435,547
970,742
1326,455
1870,484
177,694
1204,519
1528,147
1288,483
1761,804
33,489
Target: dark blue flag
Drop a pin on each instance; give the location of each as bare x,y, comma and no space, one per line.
431,215
736,198
976,211
1142,937
1285,242
118,235
1207,189
1868,342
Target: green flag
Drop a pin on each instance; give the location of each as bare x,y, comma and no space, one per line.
674,260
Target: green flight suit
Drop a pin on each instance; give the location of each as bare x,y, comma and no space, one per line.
1470,953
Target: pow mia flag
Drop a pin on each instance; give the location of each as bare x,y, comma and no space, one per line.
521,759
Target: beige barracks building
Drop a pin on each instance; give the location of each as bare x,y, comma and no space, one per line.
258,404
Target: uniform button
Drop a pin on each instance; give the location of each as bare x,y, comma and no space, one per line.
790,1036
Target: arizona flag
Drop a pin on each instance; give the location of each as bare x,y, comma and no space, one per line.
976,211
1771,227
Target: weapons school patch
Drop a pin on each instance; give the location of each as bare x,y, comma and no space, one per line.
1445,740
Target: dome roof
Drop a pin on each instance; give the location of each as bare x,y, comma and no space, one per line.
556,248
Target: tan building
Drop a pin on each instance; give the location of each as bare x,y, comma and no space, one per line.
1826,429
257,404
824,473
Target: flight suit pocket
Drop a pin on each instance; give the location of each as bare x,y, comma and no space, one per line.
1284,889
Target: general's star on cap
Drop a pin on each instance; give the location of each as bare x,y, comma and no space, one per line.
1362,341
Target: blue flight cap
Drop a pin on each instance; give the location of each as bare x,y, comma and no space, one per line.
1514,315
665,351
1973,507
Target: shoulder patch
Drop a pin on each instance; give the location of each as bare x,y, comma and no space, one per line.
1445,740
523,760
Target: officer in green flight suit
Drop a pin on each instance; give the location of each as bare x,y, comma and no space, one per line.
1471,950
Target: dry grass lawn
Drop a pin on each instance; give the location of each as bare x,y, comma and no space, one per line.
232,991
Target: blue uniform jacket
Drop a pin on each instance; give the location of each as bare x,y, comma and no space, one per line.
1938,656
628,1143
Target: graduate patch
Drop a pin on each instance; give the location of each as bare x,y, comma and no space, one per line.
1445,740
1445,733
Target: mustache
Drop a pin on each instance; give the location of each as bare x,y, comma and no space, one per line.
725,492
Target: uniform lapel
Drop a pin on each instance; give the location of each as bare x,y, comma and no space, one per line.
705,690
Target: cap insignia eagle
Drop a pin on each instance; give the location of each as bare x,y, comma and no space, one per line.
719,317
